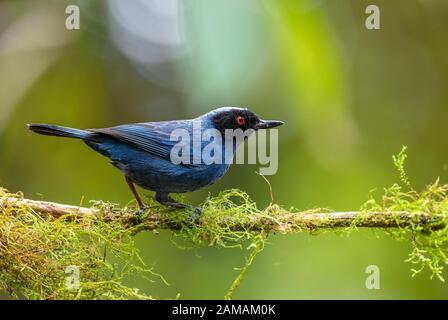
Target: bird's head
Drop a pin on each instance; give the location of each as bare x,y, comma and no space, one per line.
239,118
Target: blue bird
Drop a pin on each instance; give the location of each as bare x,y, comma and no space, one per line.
143,151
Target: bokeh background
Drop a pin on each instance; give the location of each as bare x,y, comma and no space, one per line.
350,97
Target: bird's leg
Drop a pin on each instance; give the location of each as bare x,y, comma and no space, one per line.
163,198
136,195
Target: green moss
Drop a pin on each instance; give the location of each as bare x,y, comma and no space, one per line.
429,242
35,251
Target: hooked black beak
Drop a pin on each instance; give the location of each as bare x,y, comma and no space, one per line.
267,124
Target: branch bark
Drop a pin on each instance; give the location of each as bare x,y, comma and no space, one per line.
282,223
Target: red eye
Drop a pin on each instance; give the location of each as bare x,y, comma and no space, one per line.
240,120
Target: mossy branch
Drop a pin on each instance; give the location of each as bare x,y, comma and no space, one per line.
281,222
39,239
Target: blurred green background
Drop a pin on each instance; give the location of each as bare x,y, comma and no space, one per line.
350,97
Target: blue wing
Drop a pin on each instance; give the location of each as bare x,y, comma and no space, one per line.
151,137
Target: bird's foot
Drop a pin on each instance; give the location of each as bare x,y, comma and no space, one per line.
196,214
139,213
196,211
167,201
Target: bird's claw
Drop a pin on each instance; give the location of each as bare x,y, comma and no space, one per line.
140,212
196,214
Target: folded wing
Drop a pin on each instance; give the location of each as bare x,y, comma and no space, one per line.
150,137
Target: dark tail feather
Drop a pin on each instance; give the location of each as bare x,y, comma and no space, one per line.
59,131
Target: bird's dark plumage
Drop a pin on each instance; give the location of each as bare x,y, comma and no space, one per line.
142,150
